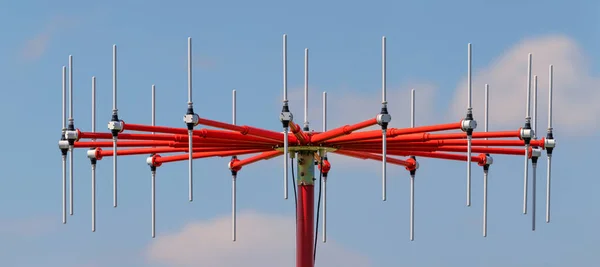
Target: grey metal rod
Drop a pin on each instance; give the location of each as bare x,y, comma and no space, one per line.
306,87
64,158
115,111
527,120
93,165
71,150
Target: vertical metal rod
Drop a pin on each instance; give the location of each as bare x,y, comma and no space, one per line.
469,111
153,178
534,164
153,189
285,129
534,118
233,185
71,150
64,157
412,176
306,88
527,120
115,110
94,165
549,165
324,177
190,132
485,196
384,132
485,170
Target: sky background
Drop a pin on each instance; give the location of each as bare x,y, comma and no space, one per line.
237,45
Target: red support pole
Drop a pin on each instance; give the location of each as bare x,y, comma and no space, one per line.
305,226
305,210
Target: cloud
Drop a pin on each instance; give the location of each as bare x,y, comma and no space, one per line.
36,47
263,240
575,92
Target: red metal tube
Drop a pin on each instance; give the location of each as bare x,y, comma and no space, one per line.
198,155
396,131
366,155
262,156
344,130
299,134
305,226
123,144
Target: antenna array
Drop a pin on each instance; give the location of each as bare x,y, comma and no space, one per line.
451,141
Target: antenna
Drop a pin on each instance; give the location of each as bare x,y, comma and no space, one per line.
527,134
71,128
115,125
535,153
412,174
246,145
63,144
153,171
383,119
285,118
488,159
469,124
324,155
233,185
190,119
549,143
306,89
93,152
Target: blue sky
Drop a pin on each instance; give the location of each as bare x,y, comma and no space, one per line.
238,45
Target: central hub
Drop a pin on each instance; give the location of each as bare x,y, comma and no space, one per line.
306,167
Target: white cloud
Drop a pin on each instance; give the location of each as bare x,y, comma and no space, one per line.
576,93
36,47
263,240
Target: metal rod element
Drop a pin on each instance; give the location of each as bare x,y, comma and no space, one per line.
534,164
285,129
153,179
115,110
71,150
549,173
486,108
469,89
534,119
93,165
153,189
485,202
412,207
412,176
233,209
469,111
383,71
285,97
233,181
324,154
412,108
190,132
527,120
384,132
305,87
64,158
549,165
485,171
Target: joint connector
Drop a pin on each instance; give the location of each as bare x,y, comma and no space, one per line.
151,161
93,159
286,117
63,145
485,160
94,153
468,125
549,143
536,152
116,127
384,119
234,170
526,134
191,120
413,166
324,167
72,136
